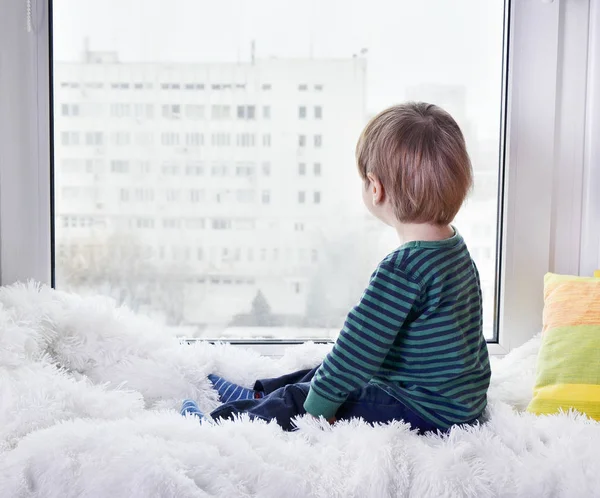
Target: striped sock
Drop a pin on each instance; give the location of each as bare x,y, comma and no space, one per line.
228,391
190,407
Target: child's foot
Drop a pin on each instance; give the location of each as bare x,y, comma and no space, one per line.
190,407
228,391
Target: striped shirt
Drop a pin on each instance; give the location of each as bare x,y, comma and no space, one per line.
417,334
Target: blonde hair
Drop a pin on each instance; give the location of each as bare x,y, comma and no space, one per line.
418,153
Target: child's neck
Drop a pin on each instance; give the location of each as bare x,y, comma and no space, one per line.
411,232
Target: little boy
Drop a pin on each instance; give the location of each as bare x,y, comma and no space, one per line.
412,349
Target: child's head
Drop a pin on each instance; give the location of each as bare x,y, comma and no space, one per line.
414,162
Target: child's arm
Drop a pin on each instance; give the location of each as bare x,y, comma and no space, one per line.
365,340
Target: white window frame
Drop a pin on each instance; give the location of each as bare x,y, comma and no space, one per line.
553,115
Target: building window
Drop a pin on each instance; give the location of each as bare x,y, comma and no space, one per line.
266,197
69,138
318,141
244,169
317,169
301,140
219,169
119,166
219,112
70,110
302,112
302,88
247,112
302,169
171,111
245,196
318,88
194,169
95,138
120,110
266,112
266,140
173,195
143,138
200,254
298,227
169,138
194,111
318,112
194,139
144,195
317,197
266,86
169,169
124,195
221,224
171,223
120,138
266,169
301,197
245,140
220,140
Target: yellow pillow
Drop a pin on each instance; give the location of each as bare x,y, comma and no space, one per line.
568,368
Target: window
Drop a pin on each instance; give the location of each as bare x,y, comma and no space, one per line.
244,169
179,144
169,169
120,110
169,138
171,111
69,138
245,140
219,169
247,112
196,195
120,138
94,138
194,139
219,112
194,169
194,111
70,110
119,166
220,140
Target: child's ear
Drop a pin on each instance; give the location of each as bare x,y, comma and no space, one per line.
375,189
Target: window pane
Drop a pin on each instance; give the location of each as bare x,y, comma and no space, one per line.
213,184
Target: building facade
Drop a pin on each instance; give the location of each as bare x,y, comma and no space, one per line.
195,187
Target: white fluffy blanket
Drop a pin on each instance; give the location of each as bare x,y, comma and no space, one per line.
89,408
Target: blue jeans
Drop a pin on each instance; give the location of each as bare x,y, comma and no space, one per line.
284,399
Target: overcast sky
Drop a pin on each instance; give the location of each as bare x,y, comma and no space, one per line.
410,42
